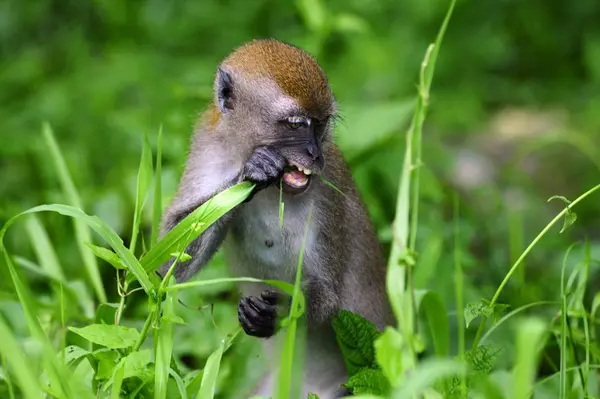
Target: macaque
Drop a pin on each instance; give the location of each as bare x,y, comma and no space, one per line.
271,123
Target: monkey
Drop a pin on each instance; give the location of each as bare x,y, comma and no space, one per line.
271,122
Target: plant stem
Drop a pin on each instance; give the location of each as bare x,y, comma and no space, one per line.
525,253
144,332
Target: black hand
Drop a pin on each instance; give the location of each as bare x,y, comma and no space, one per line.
264,167
258,317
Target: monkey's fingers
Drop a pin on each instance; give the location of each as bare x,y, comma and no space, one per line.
266,310
271,297
271,156
254,323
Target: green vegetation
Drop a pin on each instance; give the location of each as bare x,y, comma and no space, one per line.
492,236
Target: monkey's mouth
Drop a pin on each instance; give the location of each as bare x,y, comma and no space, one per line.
296,178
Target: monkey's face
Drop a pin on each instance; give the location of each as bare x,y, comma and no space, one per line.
299,138
271,94
263,115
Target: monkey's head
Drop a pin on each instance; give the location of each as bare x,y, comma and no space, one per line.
271,93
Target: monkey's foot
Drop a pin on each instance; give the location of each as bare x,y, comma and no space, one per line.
258,316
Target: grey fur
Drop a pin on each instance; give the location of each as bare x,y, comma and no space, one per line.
343,265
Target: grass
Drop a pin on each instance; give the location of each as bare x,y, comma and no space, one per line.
66,351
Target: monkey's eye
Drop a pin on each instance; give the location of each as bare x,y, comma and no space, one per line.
296,122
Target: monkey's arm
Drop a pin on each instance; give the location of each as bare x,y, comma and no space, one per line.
206,174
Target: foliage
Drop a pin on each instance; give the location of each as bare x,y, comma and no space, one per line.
512,111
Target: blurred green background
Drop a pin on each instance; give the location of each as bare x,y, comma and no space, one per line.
513,120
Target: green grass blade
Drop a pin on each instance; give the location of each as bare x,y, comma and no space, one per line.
431,304
199,220
43,249
20,367
157,206
180,384
144,179
282,285
164,345
459,291
512,314
427,374
528,340
284,386
105,231
53,370
82,232
211,372
562,394
118,380
529,248
193,385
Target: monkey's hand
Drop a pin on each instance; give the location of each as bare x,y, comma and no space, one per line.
264,167
258,316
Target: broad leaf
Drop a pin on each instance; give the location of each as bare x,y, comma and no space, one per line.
107,255
211,371
483,308
368,381
388,351
355,336
431,304
110,336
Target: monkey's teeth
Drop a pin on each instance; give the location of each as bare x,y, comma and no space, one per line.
300,168
307,171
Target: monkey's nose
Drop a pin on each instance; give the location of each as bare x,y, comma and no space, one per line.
314,152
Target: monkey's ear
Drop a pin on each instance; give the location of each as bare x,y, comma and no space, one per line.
225,91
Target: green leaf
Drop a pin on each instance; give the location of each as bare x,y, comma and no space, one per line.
182,256
312,396
431,303
22,370
285,387
164,344
355,336
368,381
190,228
157,206
426,375
388,352
569,220
570,216
530,334
480,361
382,120
144,179
107,361
82,231
482,358
110,336
43,249
107,233
211,371
72,353
105,313
107,255
55,371
118,381
135,364
483,308
561,198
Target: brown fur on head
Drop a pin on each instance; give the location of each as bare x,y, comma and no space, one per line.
291,68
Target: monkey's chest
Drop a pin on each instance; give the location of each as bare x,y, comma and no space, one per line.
259,245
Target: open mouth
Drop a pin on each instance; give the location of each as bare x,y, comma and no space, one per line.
296,178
